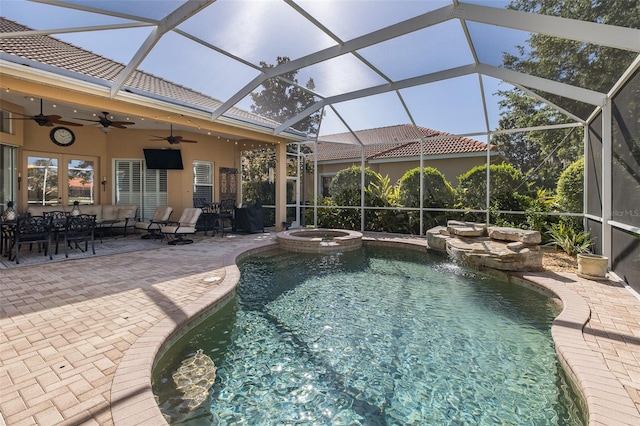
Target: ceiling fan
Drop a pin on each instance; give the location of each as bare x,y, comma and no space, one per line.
105,122
44,120
172,139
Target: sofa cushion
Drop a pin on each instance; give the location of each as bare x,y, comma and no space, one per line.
95,209
110,212
125,213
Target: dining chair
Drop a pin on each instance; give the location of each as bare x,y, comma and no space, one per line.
32,230
79,229
58,221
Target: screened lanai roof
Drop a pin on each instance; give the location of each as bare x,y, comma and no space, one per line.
435,64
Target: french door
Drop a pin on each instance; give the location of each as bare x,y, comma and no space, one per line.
59,180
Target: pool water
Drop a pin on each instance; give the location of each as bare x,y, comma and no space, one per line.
376,336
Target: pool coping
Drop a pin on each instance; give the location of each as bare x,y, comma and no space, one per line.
607,402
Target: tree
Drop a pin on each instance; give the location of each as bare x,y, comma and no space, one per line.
568,61
281,100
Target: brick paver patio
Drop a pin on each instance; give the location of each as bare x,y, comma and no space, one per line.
75,333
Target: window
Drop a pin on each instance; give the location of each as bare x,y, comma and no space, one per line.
325,181
42,181
80,181
135,184
203,181
8,174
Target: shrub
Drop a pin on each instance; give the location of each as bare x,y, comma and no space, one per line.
345,185
507,190
565,237
436,192
570,189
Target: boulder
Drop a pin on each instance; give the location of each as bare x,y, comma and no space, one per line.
437,238
493,254
466,229
514,234
505,249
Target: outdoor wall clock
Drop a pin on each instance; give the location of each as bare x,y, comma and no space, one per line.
62,136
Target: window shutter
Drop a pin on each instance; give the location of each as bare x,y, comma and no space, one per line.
135,184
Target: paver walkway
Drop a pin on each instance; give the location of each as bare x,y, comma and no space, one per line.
66,326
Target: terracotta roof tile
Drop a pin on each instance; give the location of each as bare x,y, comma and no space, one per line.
398,141
53,52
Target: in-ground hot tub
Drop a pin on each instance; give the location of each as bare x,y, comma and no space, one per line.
319,240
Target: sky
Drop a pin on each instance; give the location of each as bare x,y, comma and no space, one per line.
263,30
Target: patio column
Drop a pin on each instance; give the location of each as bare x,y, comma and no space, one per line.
281,185
607,184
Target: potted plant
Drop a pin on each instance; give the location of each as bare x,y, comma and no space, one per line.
592,266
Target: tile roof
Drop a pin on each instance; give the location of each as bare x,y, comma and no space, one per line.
399,141
56,53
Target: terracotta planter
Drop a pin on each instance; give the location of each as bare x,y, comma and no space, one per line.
592,266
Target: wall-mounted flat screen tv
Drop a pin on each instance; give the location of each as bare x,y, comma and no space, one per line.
169,159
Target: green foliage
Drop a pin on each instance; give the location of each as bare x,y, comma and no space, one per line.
570,190
327,218
280,100
537,214
506,181
384,194
568,239
542,156
345,186
437,192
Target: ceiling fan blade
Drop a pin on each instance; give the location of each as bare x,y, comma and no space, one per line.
188,141
50,117
118,126
122,123
88,119
159,139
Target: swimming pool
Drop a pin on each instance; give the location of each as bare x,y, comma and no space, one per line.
377,336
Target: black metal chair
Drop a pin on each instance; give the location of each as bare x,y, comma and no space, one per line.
32,230
58,221
226,217
79,229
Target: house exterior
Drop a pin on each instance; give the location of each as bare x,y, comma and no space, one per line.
39,73
393,150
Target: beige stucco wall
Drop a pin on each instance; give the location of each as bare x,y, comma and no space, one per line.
32,139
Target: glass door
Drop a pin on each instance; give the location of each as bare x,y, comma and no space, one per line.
59,180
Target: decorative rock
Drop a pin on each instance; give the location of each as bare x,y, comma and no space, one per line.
508,252
516,246
437,238
466,229
514,234
493,254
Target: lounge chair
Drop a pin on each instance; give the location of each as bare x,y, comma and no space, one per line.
186,225
160,217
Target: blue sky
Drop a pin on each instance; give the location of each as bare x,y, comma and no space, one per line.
263,30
